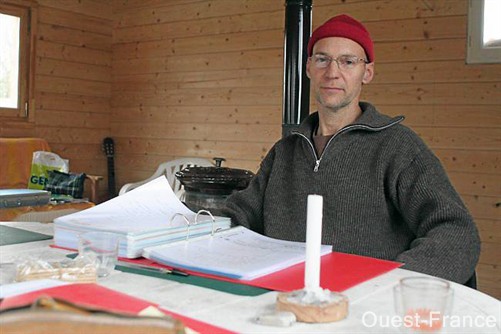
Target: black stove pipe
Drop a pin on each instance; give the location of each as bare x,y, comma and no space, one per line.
296,93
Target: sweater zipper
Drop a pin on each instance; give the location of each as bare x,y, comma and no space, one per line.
349,127
317,163
317,159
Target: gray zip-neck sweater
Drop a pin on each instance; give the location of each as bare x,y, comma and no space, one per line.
385,194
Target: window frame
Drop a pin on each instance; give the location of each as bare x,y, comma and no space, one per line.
27,10
476,52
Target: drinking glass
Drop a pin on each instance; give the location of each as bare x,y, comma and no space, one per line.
422,303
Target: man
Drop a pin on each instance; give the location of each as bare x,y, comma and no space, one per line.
385,193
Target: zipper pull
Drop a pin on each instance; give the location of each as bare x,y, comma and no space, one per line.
317,163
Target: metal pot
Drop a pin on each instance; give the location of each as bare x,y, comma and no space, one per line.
206,188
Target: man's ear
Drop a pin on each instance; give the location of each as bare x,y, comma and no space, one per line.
368,74
308,63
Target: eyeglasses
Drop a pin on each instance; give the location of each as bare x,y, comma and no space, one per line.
344,63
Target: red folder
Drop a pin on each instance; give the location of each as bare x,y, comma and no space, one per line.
339,271
96,296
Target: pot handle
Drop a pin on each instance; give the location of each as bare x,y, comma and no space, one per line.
218,161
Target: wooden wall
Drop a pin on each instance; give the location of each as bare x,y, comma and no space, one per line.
72,83
196,78
178,78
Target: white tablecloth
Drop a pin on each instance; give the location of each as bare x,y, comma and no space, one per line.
371,303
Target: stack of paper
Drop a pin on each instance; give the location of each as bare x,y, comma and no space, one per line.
146,216
237,253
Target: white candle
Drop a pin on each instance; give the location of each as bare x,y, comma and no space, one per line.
313,242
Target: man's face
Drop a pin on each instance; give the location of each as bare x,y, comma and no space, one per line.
336,88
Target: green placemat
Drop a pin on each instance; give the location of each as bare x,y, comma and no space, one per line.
230,287
11,235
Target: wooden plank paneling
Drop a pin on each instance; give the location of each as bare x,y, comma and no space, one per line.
470,161
490,230
459,138
253,40
483,207
16,129
476,184
181,78
239,60
231,150
426,50
417,29
164,12
69,102
74,37
65,69
211,26
52,84
489,279
483,116
249,96
75,119
73,53
440,71
207,114
436,93
92,8
197,79
382,10
129,5
197,131
70,136
490,253
62,18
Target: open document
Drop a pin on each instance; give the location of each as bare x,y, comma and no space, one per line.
236,253
146,216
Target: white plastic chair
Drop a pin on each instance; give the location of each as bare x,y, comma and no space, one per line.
169,169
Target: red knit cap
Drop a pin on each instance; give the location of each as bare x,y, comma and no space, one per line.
347,27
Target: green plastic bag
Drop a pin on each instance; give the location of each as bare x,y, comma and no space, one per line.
42,163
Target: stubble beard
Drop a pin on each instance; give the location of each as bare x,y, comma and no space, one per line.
333,106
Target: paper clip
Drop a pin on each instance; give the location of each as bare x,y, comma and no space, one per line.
212,217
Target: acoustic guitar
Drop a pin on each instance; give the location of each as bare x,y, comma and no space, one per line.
109,150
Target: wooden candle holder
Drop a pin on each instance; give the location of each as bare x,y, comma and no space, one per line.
334,309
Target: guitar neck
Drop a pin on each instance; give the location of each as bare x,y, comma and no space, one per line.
111,177
109,150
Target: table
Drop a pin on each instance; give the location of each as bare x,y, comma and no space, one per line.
371,303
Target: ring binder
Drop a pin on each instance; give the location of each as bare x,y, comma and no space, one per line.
212,217
188,223
141,218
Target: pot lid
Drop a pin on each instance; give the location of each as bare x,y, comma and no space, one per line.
210,179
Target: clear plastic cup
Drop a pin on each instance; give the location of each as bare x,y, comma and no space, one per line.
100,248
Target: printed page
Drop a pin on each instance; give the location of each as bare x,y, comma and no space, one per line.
236,253
147,207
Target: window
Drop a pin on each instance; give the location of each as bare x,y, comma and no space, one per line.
484,32
17,18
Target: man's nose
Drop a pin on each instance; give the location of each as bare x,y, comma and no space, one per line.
333,69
